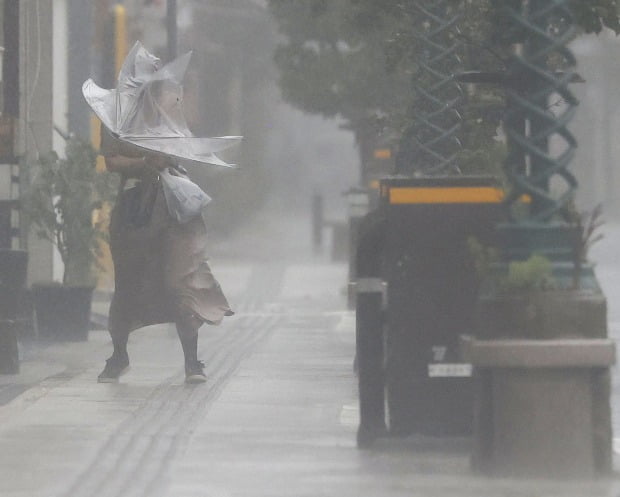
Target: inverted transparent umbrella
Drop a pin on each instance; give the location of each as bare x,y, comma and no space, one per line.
145,109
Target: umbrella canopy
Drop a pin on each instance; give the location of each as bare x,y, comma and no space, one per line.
145,109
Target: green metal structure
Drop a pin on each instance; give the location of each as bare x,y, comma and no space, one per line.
533,118
430,145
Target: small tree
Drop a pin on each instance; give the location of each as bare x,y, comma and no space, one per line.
356,58
60,202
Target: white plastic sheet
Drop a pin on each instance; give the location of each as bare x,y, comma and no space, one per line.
145,109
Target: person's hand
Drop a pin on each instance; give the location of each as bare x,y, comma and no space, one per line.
159,161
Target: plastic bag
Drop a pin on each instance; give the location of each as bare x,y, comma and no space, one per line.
185,199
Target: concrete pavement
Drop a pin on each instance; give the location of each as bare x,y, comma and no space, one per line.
277,417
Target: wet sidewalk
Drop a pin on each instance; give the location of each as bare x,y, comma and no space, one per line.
285,425
277,417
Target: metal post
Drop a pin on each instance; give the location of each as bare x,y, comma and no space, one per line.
358,206
171,28
10,63
369,350
317,221
120,37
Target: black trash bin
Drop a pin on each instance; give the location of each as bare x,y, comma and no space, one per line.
432,288
416,243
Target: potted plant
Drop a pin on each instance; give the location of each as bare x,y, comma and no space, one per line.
64,194
541,357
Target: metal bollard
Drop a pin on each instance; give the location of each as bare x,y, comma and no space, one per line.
358,202
317,221
369,349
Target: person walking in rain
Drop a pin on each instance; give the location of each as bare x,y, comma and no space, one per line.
161,272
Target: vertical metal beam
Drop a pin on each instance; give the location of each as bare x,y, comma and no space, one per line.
171,28
10,63
120,37
430,145
80,40
36,127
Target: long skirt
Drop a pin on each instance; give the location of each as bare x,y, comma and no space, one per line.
161,272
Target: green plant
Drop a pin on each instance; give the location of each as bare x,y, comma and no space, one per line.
483,256
587,224
62,197
533,274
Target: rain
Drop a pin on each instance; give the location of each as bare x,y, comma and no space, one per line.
309,247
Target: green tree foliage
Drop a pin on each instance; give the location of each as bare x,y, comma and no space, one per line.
593,15
331,65
590,16
357,58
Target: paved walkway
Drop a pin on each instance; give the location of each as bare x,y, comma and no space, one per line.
277,417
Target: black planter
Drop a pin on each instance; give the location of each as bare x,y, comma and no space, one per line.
62,312
9,351
13,264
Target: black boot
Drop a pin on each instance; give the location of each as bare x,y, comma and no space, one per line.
115,367
194,372
194,369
